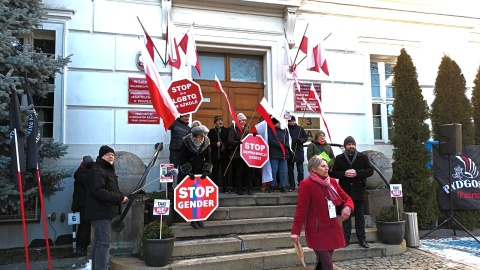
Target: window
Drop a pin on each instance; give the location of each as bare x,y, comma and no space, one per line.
44,41
381,75
227,67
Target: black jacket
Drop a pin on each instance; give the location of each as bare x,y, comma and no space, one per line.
178,130
275,142
80,187
299,137
219,135
355,187
235,138
193,160
103,195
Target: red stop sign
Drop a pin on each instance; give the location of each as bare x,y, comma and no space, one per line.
195,200
186,95
254,150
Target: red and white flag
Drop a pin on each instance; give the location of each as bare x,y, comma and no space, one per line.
313,94
219,87
172,46
190,49
316,59
161,101
265,111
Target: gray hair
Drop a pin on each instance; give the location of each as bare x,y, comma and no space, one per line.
315,162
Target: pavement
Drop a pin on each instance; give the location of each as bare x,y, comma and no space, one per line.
441,250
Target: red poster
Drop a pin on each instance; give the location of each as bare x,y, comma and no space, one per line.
300,105
143,117
139,97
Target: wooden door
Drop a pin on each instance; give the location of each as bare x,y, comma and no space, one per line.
244,98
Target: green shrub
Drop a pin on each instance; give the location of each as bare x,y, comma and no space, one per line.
152,230
389,214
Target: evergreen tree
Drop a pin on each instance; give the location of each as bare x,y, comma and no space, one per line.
476,106
18,19
451,105
410,134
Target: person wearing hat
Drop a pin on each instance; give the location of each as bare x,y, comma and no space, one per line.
78,203
319,146
352,168
195,158
179,129
103,203
278,145
219,144
298,137
242,173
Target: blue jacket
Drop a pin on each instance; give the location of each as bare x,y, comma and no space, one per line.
274,142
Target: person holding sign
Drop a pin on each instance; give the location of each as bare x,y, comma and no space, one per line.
320,147
318,195
352,169
195,158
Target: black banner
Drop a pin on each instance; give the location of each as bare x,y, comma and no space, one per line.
465,178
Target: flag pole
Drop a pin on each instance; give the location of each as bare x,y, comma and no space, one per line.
306,56
166,42
155,47
298,50
42,207
22,204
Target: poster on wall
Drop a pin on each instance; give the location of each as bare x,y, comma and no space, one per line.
299,96
465,180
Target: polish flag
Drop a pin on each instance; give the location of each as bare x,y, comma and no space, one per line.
265,111
316,59
313,94
190,49
172,46
219,87
161,101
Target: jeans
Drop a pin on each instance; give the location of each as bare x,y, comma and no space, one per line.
279,165
291,176
101,244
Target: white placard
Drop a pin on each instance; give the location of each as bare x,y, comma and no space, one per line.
161,207
166,173
73,218
396,190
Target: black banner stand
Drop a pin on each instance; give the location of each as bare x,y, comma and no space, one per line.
451,217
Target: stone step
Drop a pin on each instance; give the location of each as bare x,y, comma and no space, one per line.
249,212
258,198
272,259
249,242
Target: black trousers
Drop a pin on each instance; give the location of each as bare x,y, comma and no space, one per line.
221,180
358,213
83,232
242,174
291,175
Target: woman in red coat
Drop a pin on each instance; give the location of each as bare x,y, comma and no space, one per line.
316,195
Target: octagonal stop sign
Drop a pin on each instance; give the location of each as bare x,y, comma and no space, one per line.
195,200
186,95
254,150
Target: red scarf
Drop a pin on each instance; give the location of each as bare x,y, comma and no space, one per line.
332,194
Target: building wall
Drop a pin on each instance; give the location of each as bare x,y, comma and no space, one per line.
91,97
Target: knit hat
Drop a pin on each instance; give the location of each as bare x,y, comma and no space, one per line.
320,132
292,118
348,140
274,120
216,118
87,159
104,150
241,116
199,130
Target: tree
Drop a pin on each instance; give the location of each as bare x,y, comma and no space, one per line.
451,105
18,20
410,133
476,106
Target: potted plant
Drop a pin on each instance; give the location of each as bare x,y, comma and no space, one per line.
390,227
149,206
157,244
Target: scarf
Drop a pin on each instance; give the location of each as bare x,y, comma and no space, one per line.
331,192
199,143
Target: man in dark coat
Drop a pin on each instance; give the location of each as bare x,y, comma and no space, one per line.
103,203
219,144
242,173
179,129
195,158
298,137
278,145
78,203
353,168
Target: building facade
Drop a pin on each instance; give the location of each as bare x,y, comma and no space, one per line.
242,42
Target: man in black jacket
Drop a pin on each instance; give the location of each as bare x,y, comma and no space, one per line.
78,203
179,129
353,168
103,203
219,144
298,137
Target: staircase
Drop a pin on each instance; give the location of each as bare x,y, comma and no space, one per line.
250,232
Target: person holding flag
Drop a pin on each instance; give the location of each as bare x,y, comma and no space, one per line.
241,171
298,137
278,141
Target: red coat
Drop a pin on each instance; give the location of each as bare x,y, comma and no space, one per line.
321,231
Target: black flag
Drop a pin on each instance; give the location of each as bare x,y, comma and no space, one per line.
16,143
33,133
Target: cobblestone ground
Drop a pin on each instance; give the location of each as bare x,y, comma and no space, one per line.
413,259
